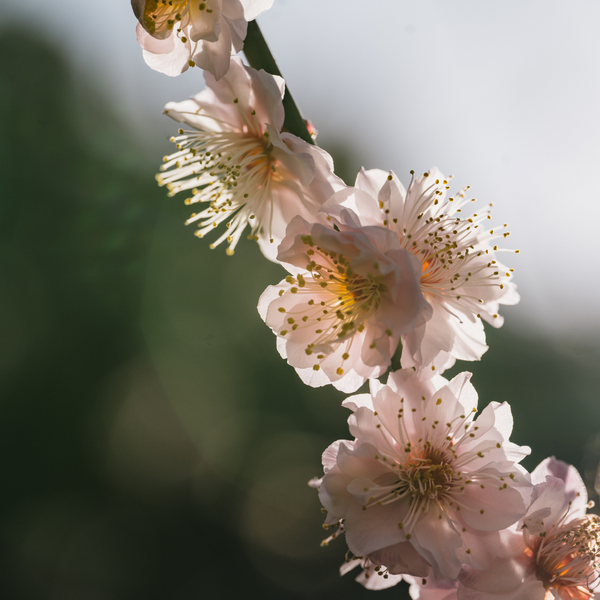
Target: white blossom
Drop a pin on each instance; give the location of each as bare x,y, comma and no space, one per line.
460,275
239,165
424,484
351,293
177,34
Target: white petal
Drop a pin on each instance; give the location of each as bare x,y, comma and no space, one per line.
215,57
254,8
205,25
358,400
169,56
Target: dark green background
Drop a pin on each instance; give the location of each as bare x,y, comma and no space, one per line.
153,443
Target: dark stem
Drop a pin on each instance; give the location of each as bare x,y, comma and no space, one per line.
395,365
259,57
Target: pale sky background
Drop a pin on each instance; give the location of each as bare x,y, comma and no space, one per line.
503,94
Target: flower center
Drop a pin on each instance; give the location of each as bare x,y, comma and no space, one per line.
567,557
346,298
230,171
333,303
162,15
451,246
445,248
427,474
351,296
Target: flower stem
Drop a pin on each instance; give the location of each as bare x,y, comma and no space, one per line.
259,56
395,364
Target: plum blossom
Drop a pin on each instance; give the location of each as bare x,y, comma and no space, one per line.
425,487
235,159
460,275
177,34
555,549
440,278
351,293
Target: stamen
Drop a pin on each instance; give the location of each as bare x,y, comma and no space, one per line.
567,556
447,244
346,299
230,171
162,15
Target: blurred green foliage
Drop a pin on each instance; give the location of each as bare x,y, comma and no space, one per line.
153,443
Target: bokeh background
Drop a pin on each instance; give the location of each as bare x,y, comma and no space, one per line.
153,443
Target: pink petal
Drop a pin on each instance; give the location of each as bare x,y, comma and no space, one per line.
401,558
575,490
215,57
333,494
374,528
437,540
359,461
329,456
504,576
491,507
548,503
254,8
530,589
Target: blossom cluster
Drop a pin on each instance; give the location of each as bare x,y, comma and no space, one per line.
372,267
430,494
378,275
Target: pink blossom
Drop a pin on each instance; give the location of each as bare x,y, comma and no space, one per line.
554,551
424,484
351,293
235,158
177,34
460,276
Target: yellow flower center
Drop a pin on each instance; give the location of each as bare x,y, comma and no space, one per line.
333,303
351,298
163,15
427,474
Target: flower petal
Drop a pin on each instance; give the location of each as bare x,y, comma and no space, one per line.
401,558
374,528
